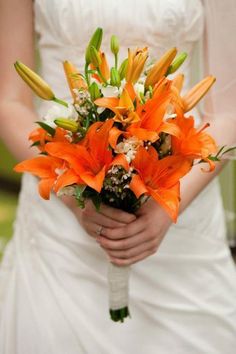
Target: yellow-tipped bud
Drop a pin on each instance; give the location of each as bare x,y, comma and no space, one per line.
197,92
95,41
136,63
95,57
74,79
178,82
159,69
123,68
114,45
176,63
104,67
115,77
34,81
67,124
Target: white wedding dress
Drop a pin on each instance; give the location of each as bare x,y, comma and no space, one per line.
53,278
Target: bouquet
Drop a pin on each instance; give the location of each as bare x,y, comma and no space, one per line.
124,138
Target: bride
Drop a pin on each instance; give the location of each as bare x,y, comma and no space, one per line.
53,290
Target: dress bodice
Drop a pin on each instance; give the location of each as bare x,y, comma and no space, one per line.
64,28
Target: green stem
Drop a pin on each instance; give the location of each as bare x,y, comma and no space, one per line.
57,100
120,314
116,61
87,74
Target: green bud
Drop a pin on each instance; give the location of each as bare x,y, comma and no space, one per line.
114,77
67,124
176,63
123,68
94,91
95,57
114,45
95,41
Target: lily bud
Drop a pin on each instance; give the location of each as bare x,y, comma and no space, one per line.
74,79
123,69
136,61
159,69
95,57
114,45
67,124
178,82
95,41
34,81
115,77
197,92
104,67
94,91
176,63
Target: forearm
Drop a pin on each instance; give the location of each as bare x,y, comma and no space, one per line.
224,132
17,120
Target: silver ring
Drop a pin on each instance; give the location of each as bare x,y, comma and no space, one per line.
99,230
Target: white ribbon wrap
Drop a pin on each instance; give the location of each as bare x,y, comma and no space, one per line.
118,282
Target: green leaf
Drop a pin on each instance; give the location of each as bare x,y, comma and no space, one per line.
212,158
47,127
228,150
36,143
96,199
221,149
79,190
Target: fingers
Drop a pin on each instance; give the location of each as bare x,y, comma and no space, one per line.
123,244
126,231
125,262
134,251
92,221
116,214
100,219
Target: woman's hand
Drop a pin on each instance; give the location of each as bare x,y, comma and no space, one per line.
140,238
95,222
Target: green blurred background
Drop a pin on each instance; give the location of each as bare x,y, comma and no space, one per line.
10,185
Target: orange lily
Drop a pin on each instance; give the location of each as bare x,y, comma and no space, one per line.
152,114
136,61
159,178
123,107
91,159
74,79
46,167
193,96
193,143
103,67
42,137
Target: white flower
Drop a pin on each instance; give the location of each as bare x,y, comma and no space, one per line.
139,88
110,91
68,191
59,111
129,147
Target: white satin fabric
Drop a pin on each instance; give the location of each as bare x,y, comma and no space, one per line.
53,279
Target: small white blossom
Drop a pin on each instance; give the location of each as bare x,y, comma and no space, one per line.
139,88
68,191
59,171
129,147
81,95
59,111
110,91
